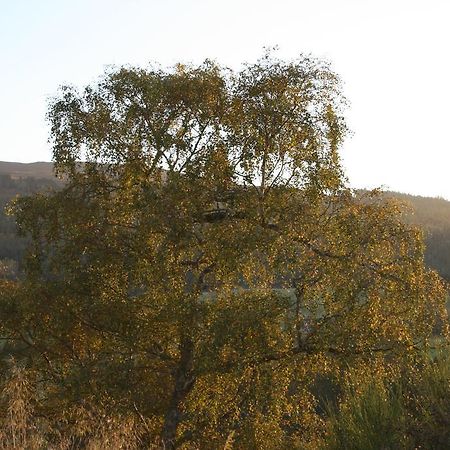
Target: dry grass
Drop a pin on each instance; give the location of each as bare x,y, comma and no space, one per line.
23,428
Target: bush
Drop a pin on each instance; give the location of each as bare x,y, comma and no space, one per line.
411,412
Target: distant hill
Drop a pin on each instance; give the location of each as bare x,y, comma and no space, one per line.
19,179
432,214
25,170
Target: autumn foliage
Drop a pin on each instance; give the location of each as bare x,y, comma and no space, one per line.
206,261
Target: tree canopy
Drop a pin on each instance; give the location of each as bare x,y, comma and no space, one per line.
205,260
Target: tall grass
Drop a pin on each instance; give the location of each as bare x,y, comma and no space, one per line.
372,420
24,427
412,412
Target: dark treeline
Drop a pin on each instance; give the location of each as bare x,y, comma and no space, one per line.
433,215
12,246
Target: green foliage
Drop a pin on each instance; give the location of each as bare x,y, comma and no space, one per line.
369,421
428,404
410,412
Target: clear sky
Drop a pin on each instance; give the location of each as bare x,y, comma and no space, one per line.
393,56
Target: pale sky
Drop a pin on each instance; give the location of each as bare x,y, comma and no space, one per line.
393,56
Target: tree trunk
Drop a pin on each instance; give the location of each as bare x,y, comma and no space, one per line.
184,382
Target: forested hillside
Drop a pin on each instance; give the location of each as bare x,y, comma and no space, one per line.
433,214
19,179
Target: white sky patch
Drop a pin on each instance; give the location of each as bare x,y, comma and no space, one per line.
391,55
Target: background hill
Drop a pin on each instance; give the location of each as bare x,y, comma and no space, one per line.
432,214
22,170
19,179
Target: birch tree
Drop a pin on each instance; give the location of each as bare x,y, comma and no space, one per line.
206,258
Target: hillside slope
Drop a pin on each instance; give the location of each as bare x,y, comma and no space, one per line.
19,179
25,170
432,214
